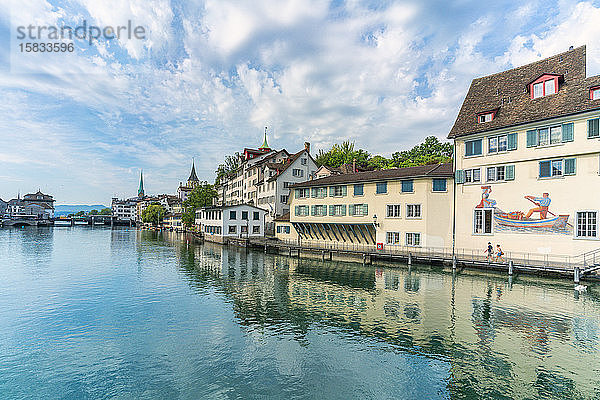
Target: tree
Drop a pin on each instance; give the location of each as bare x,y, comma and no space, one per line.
379,162
80,213
201,196
105,211
153,214
342,154
431,151
94,212
230,165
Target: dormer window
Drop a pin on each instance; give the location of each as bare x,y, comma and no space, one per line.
486,116
545,85
595,93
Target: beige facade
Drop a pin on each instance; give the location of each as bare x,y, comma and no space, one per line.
571,187
392,208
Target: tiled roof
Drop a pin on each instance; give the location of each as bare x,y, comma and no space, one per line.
507,92
283,218
425,171
289,162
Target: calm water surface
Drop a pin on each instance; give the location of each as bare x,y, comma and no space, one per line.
95,313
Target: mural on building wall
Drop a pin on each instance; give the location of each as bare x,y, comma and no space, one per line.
538,219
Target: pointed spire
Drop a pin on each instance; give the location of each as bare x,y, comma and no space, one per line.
265,145
193,177
141,188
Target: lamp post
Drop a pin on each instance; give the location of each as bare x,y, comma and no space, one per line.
375,223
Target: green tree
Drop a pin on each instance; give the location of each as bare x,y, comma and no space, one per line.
153,214
379,162
202,195
94,212
105,211
230,165
342,154
431,151
80,213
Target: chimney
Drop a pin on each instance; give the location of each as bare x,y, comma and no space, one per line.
307,147
353,165
570,48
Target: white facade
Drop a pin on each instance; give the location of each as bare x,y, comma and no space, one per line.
236,221
124,209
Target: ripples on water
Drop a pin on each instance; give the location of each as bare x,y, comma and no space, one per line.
95,313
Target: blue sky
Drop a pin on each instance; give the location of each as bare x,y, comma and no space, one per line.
211,74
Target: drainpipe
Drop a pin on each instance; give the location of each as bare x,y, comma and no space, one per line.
454,199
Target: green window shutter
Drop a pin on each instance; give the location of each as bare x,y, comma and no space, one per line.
512,141
313,192
331,210
331,191
460,176
313,210
344,210
567,132
509,173
570,166
365,209
532,138
344,190
351,209
593,128
297,210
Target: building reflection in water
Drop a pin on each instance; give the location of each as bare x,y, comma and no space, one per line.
523,339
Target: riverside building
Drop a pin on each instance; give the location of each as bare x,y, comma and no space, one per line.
237,221
527,146
389,208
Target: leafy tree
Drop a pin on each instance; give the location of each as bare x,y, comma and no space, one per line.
431,151
230,165
105,211
153,214
94,212
379,162
201,196
80,213
342,154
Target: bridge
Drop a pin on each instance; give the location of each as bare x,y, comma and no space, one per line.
85,220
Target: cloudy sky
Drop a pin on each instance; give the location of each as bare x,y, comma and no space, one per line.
210,75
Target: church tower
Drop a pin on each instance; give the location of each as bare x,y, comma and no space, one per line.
141,188
193,180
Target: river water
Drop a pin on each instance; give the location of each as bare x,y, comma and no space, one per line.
125,314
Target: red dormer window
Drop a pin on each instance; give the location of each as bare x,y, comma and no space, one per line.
595,93
486,116
545,85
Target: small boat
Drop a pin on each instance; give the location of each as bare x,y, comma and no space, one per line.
516,220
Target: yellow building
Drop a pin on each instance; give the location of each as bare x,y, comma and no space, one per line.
527,146
388,208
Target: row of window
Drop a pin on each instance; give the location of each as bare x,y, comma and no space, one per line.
411,238
586,223
255,215
407,186
232,229
338,210
284,229
394,211
547,169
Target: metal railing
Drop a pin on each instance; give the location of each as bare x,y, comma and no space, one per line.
539,260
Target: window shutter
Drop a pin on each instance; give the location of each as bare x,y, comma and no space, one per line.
331,191
313,210
344,210
569,166
297,210
512,141
313,192
331,210
344,190
545,170
532,138
351,209
567,132
509,173
365,209
460,176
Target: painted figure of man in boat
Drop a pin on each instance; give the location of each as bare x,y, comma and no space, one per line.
526,222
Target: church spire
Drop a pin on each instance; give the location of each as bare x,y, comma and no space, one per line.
193,177
265,145
141,188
